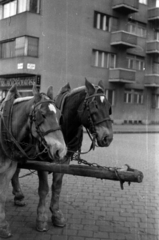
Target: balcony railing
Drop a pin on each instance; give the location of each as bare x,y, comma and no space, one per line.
122,38
153,14
151,80
125,6
152,47
122,75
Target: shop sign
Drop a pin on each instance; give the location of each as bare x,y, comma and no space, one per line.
20,81
31,66
20,66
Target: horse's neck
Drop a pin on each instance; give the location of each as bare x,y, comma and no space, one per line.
20,116
72,124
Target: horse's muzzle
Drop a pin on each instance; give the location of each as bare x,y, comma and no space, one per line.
57,147
105,142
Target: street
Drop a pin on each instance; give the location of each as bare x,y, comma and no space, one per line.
98,209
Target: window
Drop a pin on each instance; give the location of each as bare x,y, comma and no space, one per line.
104,59
156,35
7,49
22,46
18,6
128,96
110,95
157,3
137,28
101,21
138,97
143,1
135,62
155,101
9,9
133,96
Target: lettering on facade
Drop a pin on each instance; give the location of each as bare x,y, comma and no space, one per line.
20,81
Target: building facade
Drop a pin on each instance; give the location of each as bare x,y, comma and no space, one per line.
62,41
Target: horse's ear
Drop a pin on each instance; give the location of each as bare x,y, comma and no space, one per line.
36,93
101,84
15,90
66,88
50,92
89,86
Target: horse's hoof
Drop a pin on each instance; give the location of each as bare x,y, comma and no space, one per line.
5,233
19,203
41,226
58,219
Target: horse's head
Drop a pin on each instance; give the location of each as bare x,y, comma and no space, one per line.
44,118
95,114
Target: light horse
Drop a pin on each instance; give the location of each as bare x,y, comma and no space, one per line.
28,128
84,106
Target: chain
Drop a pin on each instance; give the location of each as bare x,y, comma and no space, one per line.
76,157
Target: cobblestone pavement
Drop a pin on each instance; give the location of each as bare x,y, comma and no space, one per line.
98,209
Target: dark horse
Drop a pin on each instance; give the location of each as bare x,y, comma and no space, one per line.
28,128
84,106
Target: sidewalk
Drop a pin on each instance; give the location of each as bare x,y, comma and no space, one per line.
132,128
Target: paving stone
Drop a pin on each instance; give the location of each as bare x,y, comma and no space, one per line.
95,209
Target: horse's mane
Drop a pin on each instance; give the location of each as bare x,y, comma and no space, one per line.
22,99
76,90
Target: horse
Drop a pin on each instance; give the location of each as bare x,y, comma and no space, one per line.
85,106
29,128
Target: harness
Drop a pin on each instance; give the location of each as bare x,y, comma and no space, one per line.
12,148
91,131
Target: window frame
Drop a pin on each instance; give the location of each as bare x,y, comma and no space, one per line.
107,93
24,8
137,28
143,2
24,47
102,21
129,96
135,62
155,101
102,59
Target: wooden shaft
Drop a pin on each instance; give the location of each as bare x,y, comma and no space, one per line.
86,171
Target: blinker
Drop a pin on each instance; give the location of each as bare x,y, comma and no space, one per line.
39,118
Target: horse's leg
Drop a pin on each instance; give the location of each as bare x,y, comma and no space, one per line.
5,177
17,192
57,216
41,221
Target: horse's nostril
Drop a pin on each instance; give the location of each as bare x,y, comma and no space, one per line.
57,154
105,139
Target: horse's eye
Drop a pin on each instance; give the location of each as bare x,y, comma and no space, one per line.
96,105
43,115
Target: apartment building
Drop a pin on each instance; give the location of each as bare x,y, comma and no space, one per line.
58,41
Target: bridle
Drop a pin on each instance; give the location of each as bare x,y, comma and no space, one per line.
37,118
19,152
86,106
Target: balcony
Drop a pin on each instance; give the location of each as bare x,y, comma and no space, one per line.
20,25
151,80
153,47
20,65
123,39
153,14
125,6
121,75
